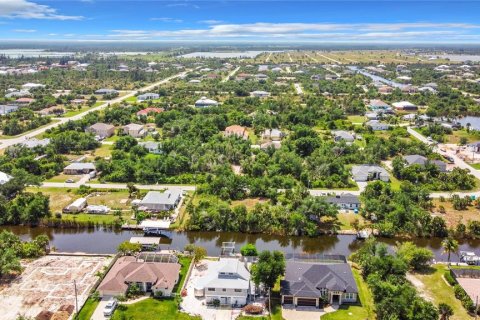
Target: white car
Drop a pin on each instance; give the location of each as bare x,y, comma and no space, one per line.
110,307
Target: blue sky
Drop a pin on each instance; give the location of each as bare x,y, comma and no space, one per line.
261,21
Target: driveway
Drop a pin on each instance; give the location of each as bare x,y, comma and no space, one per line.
98,313
303,313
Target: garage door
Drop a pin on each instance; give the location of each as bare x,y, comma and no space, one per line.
288,300
306,302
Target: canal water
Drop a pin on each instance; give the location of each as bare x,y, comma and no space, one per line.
474,122
102,240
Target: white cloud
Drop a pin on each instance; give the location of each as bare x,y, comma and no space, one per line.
23,9
166,19
211,21
182,4
24,30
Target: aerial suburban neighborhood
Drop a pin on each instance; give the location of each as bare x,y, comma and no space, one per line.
218,169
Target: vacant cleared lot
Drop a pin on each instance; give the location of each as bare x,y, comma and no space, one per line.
47,284
451,216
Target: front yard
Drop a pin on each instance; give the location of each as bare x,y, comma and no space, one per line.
152,309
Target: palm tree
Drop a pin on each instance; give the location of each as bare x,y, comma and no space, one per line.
449,245
445,311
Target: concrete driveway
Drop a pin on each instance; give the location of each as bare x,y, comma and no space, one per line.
98,313
303,313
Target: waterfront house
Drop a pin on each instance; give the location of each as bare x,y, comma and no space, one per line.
158,278
135,130
345,201
102,130
227,281
310,283
157,201
368,172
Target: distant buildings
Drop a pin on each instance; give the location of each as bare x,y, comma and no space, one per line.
203,102
341,135
134,130
6,109
106,91
405,106
273,134
152,146
4,178
102,130
77,168
145,112
236,131
422,161
148,96
259,94
377,125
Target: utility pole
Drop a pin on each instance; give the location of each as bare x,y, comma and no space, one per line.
76,300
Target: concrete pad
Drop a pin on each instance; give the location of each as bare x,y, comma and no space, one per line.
303,313
98,313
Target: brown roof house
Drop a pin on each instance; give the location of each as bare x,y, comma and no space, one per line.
236,131
101,130
155,277
135,130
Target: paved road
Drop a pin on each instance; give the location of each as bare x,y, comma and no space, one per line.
4,143
98,313
230,74
324,192
116,186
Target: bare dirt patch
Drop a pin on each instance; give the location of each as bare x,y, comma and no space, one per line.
46,284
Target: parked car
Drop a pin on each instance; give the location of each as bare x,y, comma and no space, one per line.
110,307
69,181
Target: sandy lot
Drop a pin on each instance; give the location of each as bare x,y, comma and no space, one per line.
47,284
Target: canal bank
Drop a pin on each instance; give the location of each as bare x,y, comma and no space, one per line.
100,240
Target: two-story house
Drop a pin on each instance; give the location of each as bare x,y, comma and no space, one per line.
227,281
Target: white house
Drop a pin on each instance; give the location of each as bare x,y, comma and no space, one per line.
404,105
29,85
204,102
273,134
148,96
4,178
135,130
227,281
377,125
76,206
161,201
259,94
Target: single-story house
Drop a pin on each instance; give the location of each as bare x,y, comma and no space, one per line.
378,105
259,94
161,201
261,76
6,109
24,101
341,135
4,177
273,134
371,116
227,281
405,105
157,277
18,94
148,96
135,130
345,201
377,125
79,168
52,110
307,283
236,131
474,146
368,172
97,209
204,102
102,130
268,144
421,160
145,112
106,91
29,85
152,147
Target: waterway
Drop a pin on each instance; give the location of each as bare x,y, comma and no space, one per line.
224,55
474,122
376,78
102,240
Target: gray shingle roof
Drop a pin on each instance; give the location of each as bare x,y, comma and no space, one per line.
168,197
343,198
305,279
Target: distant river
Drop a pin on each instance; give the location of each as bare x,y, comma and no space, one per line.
33,53
100,240
242,54
474,122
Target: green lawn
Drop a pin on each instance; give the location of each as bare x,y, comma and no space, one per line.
438,289
475,166
356,119
355,312
185,262
88,308
152,309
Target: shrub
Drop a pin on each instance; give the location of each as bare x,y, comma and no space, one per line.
448,277
253,309
216,303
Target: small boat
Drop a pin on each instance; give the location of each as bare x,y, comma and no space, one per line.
469,257
363,234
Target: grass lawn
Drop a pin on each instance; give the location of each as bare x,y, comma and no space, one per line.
475,165
64,177
456,135
345,220
88,309
183,216
249,202
355,312
74,112
356,119
131,99
185,262
152,309
437,289
394,183
105,150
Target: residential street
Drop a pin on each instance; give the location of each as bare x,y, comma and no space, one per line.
5,143
115,186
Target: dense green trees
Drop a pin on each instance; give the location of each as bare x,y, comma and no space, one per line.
269,267
394,296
